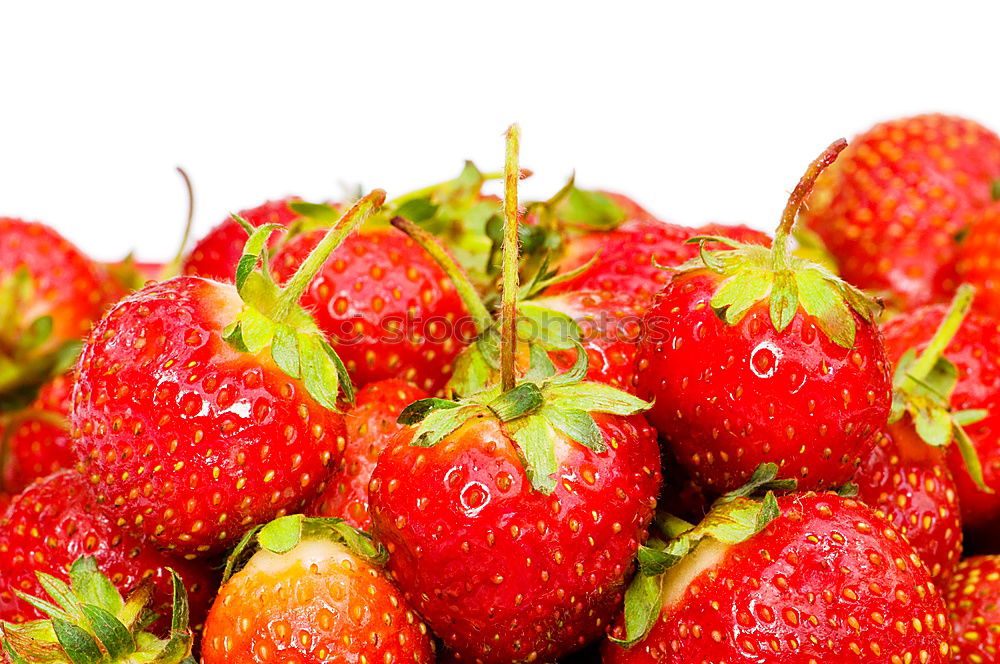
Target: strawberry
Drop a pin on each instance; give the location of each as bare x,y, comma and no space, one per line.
216,255
973,599
973,352
977,256
50,296
907,482
35,440
751,355
204,408
892,207
51,524
804,578
371,423
388,309
89,621
512,517
313,591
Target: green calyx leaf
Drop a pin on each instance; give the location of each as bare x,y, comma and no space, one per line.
748,275
285,533
733,518
90,623
591,210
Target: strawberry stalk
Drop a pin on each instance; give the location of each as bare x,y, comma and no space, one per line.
463,285
509,271
313,263
960,306
174,266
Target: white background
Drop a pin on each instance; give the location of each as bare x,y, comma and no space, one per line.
703,113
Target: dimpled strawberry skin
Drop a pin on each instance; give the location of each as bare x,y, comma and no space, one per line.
827,581
38,444
387,308
184,439
973,598
979,259
341,609
216,255
371,424
908,482
975,352
51,524
892,204
730,397
500,571
67,285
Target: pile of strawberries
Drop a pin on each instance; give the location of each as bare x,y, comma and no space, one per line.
451,426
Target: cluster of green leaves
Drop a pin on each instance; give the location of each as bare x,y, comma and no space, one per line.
541,409
734,518
90,623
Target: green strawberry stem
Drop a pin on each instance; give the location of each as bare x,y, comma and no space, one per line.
509,271
313,263
779,251
960,306
174,266
995,190
463,285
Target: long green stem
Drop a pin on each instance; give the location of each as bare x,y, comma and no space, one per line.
945,332
174,266
470,296
779,251
313,263
508,308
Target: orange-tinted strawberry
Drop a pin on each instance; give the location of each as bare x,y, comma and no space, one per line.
202,408
979,257
51,524
751,355
388,309
371,424
36,438
313,592
908,482
50,296
973,598
893,205
215,256
974,350
824,580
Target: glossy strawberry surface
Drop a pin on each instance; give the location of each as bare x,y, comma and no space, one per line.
908,482
892,205
827,581
973,598
500,571
215,256
730,397
66,284
36,438
975,352
51,524
387,308
186,440
316,603
371,424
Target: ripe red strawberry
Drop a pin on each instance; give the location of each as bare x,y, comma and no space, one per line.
203,408
50,296
891,208
825,580
371,424
973,599
751,355
89,621
51,524
974,350
35,440
215,256
512,517
977,256
313,592
388,309
907,482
